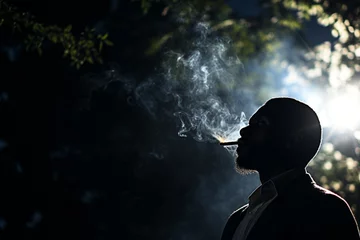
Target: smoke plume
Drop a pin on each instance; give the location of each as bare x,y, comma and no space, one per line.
197,86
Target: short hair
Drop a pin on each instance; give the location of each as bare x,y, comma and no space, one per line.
293,119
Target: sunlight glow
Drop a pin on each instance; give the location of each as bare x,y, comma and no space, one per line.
340,111
357,135
343,111
337,105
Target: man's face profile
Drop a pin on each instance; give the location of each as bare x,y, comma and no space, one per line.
255,142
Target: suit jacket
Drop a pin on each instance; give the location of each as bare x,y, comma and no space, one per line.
302,210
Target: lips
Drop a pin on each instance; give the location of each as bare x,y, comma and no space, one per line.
241,144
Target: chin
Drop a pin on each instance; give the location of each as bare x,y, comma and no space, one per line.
242,168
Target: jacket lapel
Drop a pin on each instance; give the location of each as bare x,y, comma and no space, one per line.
233,223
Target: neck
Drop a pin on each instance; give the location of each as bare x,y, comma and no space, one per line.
274,166
268,174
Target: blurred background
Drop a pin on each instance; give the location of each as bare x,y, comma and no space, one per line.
111,110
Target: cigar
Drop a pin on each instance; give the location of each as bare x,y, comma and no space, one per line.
229,143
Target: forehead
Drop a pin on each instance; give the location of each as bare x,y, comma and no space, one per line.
261,113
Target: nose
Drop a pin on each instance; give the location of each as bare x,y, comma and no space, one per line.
244,131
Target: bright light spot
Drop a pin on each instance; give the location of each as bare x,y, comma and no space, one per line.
357,135
357,52
357,33
327,166
351,187
338,106
344,111
323,52
292,77
351,163
336,185
323,179
339,74
337,155
314,101
338,110
334,33
328,147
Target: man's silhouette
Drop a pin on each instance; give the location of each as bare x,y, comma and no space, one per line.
280,140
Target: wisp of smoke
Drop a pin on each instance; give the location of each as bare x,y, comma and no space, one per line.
198,83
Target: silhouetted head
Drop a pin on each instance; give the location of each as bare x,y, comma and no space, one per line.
283,134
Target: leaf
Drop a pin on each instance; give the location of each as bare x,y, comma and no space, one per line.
68,28
54,38
109,43
156,44
101,46
90,60
105,36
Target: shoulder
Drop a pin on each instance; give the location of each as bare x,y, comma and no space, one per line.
334,212
329,198
317,201
332,205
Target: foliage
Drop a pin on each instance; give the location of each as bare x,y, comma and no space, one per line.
85,48
342,18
